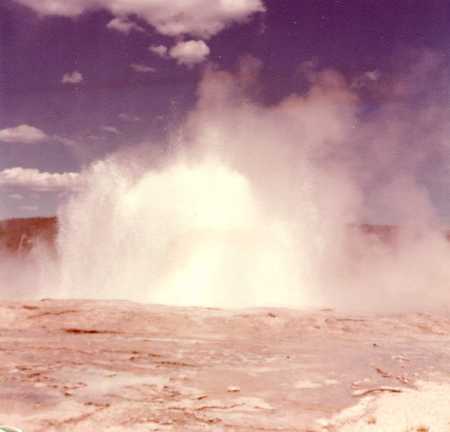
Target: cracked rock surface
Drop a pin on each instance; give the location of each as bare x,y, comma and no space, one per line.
118,366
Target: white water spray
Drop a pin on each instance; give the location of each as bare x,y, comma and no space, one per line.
255,208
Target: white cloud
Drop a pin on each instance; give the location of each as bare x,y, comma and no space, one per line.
22,134
124,25
38,180
74,77
186,53
190,52
140,68
203,18
110,129
160,50
128,117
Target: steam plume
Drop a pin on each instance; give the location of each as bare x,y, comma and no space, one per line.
257,205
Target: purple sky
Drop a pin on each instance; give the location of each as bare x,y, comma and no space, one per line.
76,85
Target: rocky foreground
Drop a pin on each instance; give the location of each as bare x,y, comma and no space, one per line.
119,366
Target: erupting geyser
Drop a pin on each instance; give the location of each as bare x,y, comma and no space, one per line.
253,206
189,234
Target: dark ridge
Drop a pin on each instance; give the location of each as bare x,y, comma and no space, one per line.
20,235
387,233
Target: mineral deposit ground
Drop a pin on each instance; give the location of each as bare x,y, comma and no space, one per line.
83,365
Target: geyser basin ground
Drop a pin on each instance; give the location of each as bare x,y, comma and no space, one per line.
119,366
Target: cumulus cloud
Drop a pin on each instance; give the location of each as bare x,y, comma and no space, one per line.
160,50
74,78
202,18
22,134
186,53
190,52
140,68
37,180
124,25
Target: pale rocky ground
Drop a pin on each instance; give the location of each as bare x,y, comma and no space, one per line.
119,366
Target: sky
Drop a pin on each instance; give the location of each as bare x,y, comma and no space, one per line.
84,79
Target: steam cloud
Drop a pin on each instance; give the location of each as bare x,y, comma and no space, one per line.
254,204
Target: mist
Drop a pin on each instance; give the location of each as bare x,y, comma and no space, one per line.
254,204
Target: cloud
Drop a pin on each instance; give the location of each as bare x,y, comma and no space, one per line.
128,117
72,78
111,129
186,53
201,18
140,68
124,25
37,180
160,50
190,52
22,134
